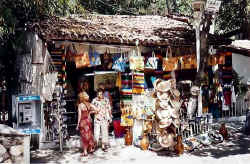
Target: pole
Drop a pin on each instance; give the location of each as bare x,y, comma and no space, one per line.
198,45
60,127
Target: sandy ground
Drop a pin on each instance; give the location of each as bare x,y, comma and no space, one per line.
234,151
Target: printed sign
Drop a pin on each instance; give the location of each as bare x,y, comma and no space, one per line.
212,6
28,98
31,131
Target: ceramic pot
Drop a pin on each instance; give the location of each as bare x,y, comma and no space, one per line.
128,137
145,142
179,147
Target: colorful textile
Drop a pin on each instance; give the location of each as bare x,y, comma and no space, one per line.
126,90
138,83
85,128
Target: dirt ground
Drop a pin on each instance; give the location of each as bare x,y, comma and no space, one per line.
236,151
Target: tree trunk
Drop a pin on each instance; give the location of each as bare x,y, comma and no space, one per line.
245,20
203,49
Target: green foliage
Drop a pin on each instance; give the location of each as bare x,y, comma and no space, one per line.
231,16
15,13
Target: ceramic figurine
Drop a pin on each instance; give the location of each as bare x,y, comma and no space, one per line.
145,142
128,137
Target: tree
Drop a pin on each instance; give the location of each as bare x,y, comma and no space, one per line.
15,13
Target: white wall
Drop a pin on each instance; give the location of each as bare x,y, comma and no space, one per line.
241,64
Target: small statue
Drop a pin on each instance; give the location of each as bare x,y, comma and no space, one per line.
144,142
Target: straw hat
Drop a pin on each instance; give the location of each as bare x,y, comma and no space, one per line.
175,104
163,86
164,104
194,90
163,123
175,114
177,123
166,140
156,82
163,96
175,93
172,83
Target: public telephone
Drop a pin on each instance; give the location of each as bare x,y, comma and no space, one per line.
25,113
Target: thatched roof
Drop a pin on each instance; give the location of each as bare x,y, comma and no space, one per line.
119,29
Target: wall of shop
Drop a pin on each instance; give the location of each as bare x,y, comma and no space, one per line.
241,64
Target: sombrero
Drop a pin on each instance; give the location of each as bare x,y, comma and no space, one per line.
156,82
166,140
177,122
175,114
175,93
164,104
163,96
175,104
172,83
194,90
163,123
163,86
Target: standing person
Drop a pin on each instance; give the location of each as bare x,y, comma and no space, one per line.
84,123
247,100
102,118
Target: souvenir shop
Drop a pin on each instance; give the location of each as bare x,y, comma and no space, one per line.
149,76
152,92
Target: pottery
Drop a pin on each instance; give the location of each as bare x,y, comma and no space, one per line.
128,137
179,147
145,142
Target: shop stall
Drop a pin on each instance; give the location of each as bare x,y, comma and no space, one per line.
146,64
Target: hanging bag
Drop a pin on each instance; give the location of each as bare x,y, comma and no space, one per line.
82,57
82,60
120,63
94,57
107,60
152,62
136,61
169,63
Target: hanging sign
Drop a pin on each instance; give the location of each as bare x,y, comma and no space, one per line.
212,6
